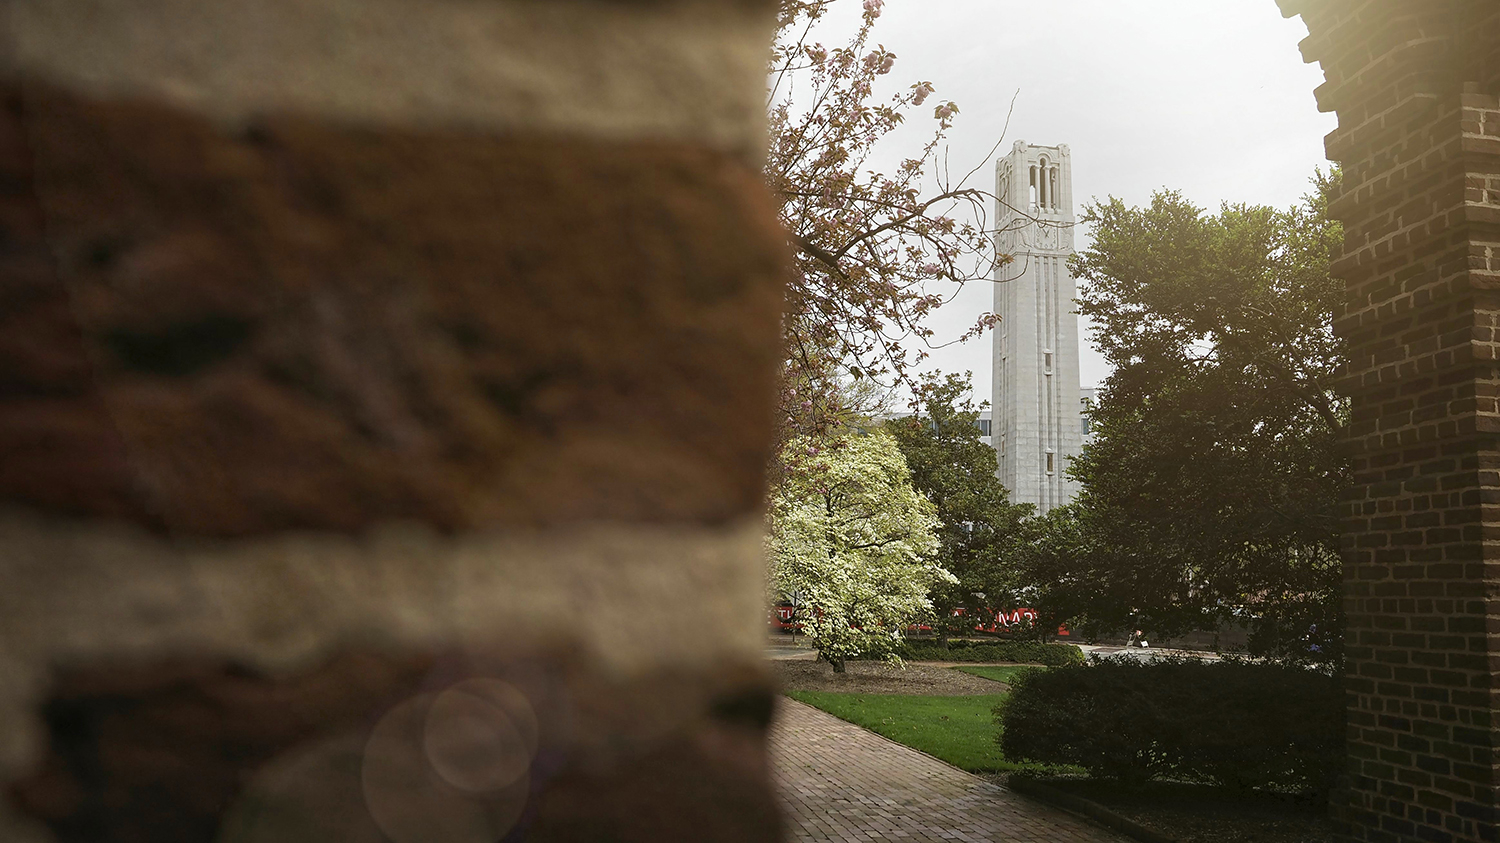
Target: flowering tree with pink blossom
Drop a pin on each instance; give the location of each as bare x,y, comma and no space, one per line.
874,253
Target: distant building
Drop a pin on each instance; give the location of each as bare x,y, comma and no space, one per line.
1086,406
985,422
1038,423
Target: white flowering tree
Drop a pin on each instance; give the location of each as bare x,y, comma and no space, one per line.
853,541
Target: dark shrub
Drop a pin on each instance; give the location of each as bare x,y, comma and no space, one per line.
1236,724
1018,652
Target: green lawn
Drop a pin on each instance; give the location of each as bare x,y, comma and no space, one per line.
999,674
959,730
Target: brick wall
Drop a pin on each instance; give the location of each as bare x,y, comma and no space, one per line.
1414,83
385,393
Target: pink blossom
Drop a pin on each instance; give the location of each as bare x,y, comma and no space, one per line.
920,93
873,6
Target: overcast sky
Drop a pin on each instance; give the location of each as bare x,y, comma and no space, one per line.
1209,97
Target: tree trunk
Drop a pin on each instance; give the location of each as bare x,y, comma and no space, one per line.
838,665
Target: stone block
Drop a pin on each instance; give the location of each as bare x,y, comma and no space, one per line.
386,388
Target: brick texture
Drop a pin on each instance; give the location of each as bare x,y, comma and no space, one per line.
304,325
386,390
1414,83
196,751
839,783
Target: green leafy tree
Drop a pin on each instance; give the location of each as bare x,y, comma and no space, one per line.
977,523
851,543
1210,491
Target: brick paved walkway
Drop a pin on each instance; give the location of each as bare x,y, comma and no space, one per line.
839,782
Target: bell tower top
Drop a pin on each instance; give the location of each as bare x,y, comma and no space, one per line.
1035,189
1036,181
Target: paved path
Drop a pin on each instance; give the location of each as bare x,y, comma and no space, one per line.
839,782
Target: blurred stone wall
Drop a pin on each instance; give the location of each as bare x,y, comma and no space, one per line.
1415,85
385,394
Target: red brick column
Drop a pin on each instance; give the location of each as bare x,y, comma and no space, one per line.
385,395
1414,83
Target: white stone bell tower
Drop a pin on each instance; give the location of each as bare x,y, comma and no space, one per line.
1037,424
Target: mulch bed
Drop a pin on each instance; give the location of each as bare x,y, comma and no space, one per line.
880,678
1190,813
